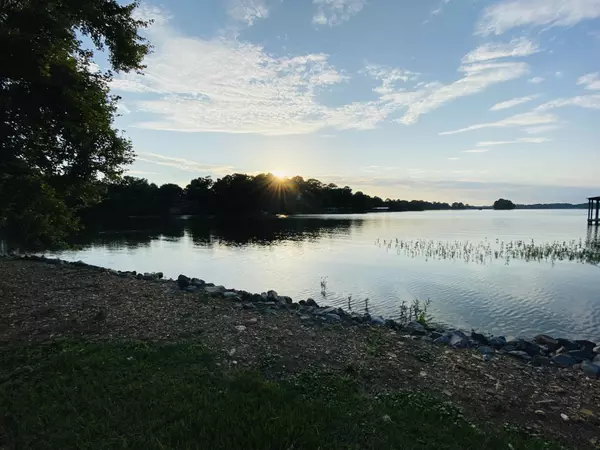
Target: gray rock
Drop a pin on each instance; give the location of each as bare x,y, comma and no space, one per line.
531,348
230,294
596,360
547,341
391,323
540,361
486,350
285,299
568,344
183,281
458,339
326,310
191,289
213,290
248,306
584,343
564,360
264,296
435,334
479,338
197,282
597,349
520,354
256,298
487,357
442,340
332,317
426,338
415,328
377,320
582,354
497,341
591,370
311,302
272,295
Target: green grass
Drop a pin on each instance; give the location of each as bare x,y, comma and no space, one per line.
99,396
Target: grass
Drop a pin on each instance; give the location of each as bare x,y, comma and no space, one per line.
135,395
486,251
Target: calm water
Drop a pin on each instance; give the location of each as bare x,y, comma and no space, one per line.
292,255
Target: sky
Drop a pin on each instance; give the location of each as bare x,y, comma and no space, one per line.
448,100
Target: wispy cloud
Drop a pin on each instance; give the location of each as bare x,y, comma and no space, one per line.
541,129
477,150
518,120
523,140
508,14
183,164
536,80
511,103
336,12
582,101
248,11
590,81
515,48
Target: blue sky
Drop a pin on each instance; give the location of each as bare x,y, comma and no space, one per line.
453,100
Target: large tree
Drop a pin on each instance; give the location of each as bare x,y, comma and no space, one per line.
57,134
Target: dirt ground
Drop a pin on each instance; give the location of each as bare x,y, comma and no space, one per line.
40,301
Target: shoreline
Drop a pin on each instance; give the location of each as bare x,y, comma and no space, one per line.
49,301
540,350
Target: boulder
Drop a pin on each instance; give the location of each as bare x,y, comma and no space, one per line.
377,320
547,341
391,323
497,342
584,343
597,349
458,339
415,328
596,360
183,281
486,350
327,310
581,354
197,282
231,295
215,290
479,338
539,361
311,302
568,344
531,348
332,317
285,299
272,295
591,370
564,360
256,298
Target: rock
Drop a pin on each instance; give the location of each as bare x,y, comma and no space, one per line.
531,348
191,289
426,339
597,349
564,417
272,295
540,413
497,341
251,321
540,361
591,370
215,289
256,298
332,317
479,338
582,354
584,343
458,339
286,300
230,294
387,419
326,310
197,282
183,281
240,328
302,302
415,328
311,302
568,344
435,334
563,360
577,366
596,360
377,320
509,348
520,354
548,341
486,350
248,306
391,323
264,296
305,317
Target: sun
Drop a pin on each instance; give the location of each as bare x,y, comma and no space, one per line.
279,174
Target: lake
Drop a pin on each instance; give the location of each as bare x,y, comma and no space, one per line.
468,263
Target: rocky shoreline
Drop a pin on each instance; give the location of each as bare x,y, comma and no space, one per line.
540,351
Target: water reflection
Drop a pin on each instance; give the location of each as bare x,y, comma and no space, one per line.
138,233
593,237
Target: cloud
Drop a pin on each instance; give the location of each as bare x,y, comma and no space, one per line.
477,150
541,129
183,164
515,48
519,120
523,140
123,109
508,14
247,11
336,12
591,81
536,80
582,101
511,103
389,77
477,78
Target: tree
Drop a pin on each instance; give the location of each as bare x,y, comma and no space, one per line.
56,113
502,204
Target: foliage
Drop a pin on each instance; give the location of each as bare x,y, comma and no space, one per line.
242,195
150,396
415,312
503,204
56,113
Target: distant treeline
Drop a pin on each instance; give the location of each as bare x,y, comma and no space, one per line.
553,206
240,194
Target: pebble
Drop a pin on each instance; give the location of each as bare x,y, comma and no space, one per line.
387,419
520,354
563,360
240,328
251,321
540,413
415,328
485,350
377,320
564,417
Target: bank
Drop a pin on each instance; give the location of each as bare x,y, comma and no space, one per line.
94,359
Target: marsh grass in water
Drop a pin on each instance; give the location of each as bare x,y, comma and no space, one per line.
485,252
176,396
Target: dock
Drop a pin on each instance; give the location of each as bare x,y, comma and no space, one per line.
594,211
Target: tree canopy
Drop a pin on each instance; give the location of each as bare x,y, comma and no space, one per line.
503,204
57,131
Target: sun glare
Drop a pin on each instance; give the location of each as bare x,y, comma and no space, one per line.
279,174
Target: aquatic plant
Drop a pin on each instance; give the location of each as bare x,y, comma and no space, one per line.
486,251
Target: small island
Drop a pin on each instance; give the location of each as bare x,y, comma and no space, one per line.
503,204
